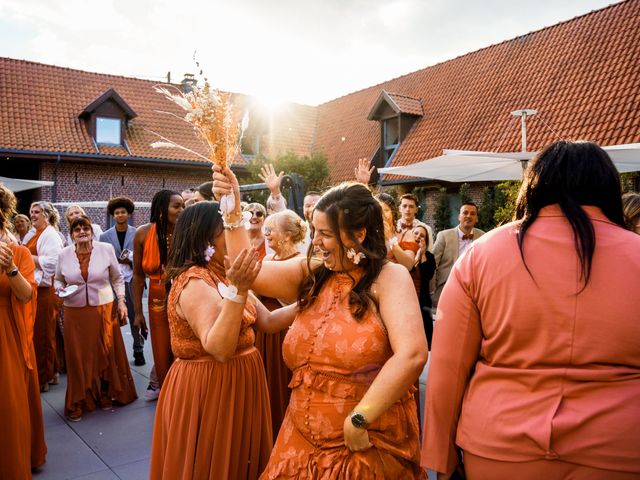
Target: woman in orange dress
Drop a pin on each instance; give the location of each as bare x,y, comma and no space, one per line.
212,419
355,348
97,367
150,247
45,244
284,232
23,446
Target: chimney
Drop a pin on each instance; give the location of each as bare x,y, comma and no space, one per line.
188,82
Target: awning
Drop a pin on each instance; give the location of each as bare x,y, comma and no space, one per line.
18,185
471,166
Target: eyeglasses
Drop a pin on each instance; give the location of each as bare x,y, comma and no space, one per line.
82,229
257,213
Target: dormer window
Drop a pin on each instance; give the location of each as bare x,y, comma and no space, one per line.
106,118
396,113
108,131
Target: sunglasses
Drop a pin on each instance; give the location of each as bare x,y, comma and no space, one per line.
257,213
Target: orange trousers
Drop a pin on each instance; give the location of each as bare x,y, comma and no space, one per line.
159,329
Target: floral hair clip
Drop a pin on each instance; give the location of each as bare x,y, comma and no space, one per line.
208,252
355,257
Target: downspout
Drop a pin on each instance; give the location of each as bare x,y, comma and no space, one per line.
54,189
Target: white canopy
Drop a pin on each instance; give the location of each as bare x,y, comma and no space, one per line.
18,185
470,166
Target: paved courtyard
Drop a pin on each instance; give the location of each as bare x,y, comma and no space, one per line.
105,445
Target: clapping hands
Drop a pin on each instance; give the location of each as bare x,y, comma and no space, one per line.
244,270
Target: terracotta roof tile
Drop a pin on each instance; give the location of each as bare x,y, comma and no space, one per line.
406,104
581,75
40,105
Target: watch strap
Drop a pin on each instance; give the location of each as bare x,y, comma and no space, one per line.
13,273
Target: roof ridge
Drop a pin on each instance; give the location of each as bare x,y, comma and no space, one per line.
494,45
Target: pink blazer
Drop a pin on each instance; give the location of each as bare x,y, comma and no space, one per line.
527,368
103,274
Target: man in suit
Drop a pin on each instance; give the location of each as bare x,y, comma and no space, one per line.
452,243
121,237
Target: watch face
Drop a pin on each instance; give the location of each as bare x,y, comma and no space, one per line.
13,273
358,420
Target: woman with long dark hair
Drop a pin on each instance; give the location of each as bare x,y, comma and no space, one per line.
150,246
356,346
212,420
535,367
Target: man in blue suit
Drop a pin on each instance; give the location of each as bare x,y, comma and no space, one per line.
121,237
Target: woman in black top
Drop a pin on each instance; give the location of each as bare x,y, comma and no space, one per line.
426,264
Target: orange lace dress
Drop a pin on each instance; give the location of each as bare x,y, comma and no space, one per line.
22,445
334,359
158,322
212,419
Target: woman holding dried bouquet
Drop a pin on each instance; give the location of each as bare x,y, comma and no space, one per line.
355,348
212,420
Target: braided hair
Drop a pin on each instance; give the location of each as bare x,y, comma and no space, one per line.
159,216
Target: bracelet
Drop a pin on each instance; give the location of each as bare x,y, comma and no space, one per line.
232,226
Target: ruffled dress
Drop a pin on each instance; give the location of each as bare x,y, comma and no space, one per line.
334,359
212,419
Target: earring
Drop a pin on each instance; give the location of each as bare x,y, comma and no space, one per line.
356,258
208,252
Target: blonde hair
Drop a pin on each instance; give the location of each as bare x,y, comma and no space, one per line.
8,205
631,209
72,206
49,211
290,223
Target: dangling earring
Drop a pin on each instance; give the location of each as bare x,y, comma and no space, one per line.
356,258
208,252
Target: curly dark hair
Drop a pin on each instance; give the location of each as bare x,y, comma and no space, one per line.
350,207
8,204
120,202
195,228
571,174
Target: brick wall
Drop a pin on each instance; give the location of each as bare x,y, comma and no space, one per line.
78,182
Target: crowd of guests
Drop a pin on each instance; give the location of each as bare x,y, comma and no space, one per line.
287,347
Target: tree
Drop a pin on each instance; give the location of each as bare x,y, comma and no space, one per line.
313,168
464,194
487,209
443,211
505,201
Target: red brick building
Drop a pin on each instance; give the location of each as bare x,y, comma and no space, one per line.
582,76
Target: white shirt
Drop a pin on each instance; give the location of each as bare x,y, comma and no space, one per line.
463,244
48,246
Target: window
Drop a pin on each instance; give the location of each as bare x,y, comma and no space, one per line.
108,131
391,136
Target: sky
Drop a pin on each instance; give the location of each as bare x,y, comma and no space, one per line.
306,51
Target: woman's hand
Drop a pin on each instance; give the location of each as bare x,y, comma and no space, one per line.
363,171
6,258
224,182
122,312
244,270
268,176
356,439
141,323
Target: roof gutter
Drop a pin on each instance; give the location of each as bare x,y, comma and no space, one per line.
105,158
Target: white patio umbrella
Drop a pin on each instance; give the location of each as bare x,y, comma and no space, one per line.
471,166
18,185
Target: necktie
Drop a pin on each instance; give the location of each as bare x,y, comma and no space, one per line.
405,226
466,236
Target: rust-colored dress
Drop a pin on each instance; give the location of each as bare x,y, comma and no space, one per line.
334,359
212,419
44,330
22,446
278,374
158,322
97,366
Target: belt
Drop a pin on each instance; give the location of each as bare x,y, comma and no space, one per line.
209,358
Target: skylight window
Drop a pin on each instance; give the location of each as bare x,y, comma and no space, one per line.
108,131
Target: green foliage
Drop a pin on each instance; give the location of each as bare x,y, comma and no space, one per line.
629,181
487,209
443,211
506,195
314,169
464,194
